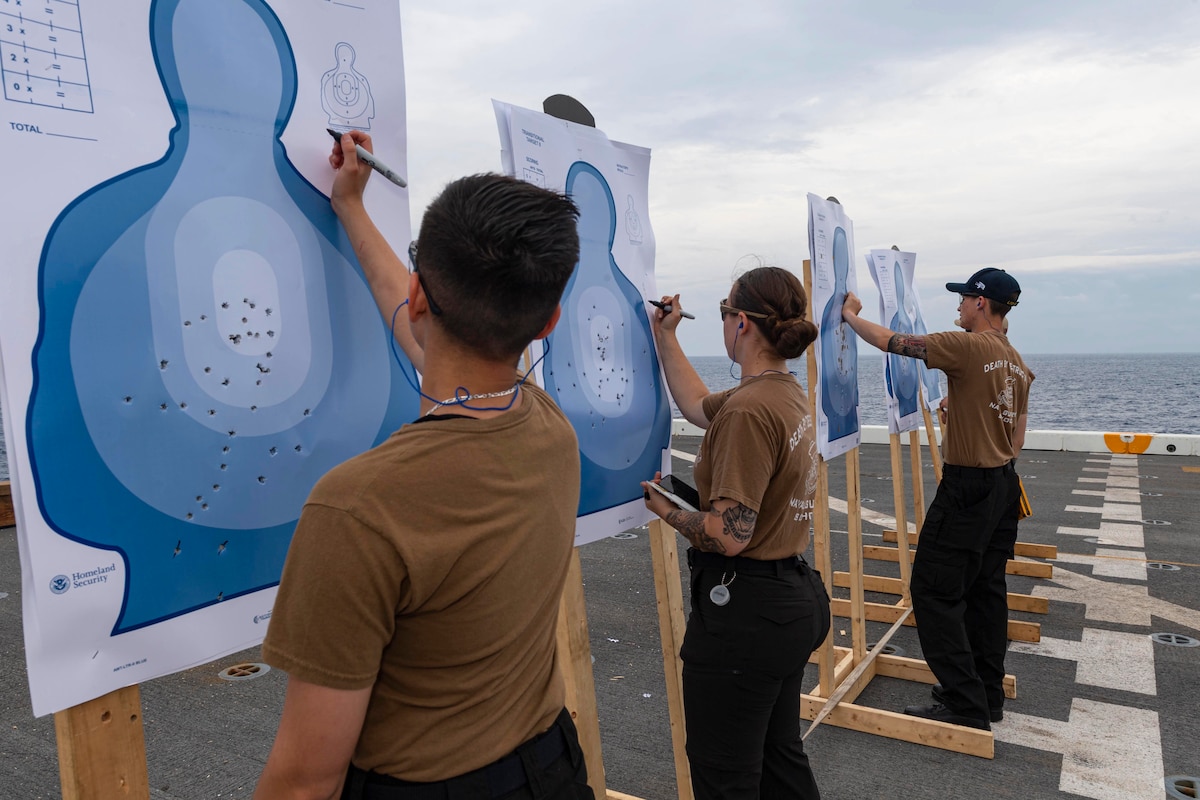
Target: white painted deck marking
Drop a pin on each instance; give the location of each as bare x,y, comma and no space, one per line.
1109,752
1128,483
1122,564
867,515
1110,659
1121,511
1092,480
1111,494
1112,533
684,456
1123,603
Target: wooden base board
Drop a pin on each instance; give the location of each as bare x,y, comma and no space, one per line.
906,669
885,585
1018,630
1020,548
1030,569
8,517
894,725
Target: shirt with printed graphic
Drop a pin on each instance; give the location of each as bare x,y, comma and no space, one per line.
988,390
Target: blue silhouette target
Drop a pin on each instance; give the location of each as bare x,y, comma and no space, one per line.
901,372
208,345
601,365
839,351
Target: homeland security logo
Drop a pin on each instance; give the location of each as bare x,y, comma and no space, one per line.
59,584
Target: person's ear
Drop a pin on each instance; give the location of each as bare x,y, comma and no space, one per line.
550,323
415,294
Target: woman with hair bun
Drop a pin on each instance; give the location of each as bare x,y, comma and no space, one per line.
758,609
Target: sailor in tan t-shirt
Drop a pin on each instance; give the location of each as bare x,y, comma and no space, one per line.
758,610
417,610
958,586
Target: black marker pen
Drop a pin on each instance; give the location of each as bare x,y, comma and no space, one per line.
666,307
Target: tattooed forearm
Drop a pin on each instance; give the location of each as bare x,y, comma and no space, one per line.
905,344
739,522
691,525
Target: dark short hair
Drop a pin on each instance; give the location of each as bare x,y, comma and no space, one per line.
497,253
779,295
1000,309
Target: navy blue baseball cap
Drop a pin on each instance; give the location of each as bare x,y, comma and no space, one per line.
992,283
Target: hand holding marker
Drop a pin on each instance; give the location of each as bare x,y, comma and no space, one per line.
371,161
667,308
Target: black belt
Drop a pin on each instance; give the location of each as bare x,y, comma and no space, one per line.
980,472
502,776
742,564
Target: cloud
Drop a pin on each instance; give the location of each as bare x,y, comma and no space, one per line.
1047,139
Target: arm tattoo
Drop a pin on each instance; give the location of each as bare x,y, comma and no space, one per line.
691,525
739,523
905,344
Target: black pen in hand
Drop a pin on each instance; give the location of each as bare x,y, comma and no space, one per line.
667,307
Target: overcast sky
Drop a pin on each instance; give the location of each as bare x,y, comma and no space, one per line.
1058,140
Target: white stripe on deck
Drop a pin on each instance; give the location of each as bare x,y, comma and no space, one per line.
1111,533
1111,494
867,515
1109,752
1123,603
684,456
1109,659
1120,511
1111,563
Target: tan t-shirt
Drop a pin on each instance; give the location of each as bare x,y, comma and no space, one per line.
430,568
988,391
760,450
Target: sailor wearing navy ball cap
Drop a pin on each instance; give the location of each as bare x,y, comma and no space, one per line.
958,585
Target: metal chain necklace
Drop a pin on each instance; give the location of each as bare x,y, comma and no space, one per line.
462,399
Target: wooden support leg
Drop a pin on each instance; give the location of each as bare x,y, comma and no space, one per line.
102,748
824,564
898,505
931,435
664,553
858,624
575,660
914,451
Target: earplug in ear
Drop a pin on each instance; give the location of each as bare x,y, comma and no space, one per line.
740,324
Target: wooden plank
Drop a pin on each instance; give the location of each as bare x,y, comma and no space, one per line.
885,585
931,436
916,670
664,552
918,480
1018,630
1030,569
8,517
575,660
858,627
904,556
1049,551
857,680
957,738
1036,550
822,555
102,748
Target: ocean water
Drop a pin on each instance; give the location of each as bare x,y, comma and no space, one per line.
1137,393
